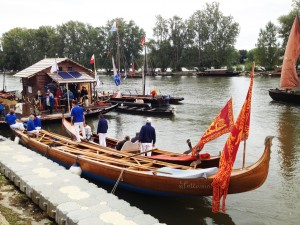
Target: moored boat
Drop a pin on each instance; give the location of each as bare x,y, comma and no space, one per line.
167,156
219,73
289,82
152,111
92,111
141,174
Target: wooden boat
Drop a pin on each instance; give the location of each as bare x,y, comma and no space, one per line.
157,101
289,82
170,111
285,95
92,111
218,73
159,154
142,174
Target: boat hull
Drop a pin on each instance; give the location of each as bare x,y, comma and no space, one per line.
157,154
240,181
285,96
58,116
146,111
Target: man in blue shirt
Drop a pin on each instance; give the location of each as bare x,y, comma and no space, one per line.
77,117
147,137
31,127
37,122
12,120
102,130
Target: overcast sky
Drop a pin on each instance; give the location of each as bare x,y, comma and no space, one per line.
251,14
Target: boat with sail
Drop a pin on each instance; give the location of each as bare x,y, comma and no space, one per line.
141,174
289,90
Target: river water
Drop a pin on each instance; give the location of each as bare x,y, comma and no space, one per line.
276,202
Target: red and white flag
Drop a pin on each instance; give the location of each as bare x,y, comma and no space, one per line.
142,41
92,61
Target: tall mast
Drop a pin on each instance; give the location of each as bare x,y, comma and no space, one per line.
118,47
145,71
4,79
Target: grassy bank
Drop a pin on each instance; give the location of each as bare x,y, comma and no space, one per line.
17,209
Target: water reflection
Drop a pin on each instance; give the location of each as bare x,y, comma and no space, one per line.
175,211
288,135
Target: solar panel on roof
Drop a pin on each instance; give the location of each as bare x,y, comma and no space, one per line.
64,75
75,74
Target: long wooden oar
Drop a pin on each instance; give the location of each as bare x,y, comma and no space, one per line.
140,153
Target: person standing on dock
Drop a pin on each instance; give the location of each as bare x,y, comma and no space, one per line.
147,137
77,117
102,130
19,109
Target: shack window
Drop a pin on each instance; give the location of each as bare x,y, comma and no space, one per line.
60,68
70,68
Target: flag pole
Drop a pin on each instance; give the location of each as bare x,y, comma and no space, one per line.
68,98
96,78
145,71
244,154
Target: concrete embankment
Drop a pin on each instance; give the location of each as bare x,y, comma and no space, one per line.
66,197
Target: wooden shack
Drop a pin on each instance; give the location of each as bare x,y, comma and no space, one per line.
70,76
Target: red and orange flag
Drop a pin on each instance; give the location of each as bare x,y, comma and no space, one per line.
221,124
239,132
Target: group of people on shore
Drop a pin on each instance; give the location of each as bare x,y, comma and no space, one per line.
49,101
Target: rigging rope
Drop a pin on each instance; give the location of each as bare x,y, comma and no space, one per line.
117,182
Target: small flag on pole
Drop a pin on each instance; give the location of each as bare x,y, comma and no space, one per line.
92,61
142,41
54,68
114,27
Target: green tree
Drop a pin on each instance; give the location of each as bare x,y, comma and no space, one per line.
243,56
215,35
178,40
267,47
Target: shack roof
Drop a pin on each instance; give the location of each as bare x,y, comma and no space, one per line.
63,77
44,64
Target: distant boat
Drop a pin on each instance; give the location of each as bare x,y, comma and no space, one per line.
289,82
218,73
169,111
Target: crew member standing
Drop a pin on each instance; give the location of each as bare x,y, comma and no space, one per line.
102,130
147,137
77,117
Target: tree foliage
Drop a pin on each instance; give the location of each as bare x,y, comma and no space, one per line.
267,47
